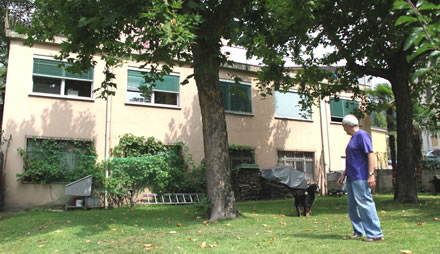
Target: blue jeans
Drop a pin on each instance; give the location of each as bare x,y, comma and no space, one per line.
362,209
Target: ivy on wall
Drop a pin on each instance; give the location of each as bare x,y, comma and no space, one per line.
50,160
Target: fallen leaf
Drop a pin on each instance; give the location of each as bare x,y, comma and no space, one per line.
315,222
206,223
391,233
421,223
274,217
58,231
68,221
238,238
28,233
87,241
282,215
179,225
192,239
43,227
41,246
136,225
406,252
173,232
39,241
307,230
383,211
283,223
114,229
265,225
203,245
228,225
198,217
436,219
269,231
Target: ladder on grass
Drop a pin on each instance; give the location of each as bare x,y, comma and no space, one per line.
172,198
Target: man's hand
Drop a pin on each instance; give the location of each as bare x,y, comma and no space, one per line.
372,181
341,180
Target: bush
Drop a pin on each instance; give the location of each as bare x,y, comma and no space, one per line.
140,163
52,160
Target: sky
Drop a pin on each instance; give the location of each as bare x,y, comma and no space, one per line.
238,55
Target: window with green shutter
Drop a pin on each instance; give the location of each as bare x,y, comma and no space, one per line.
341,108
164,92
287,106
236,97
50,78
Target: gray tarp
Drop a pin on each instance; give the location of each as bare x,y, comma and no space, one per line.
286,175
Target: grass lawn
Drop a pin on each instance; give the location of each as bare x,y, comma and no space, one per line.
264,227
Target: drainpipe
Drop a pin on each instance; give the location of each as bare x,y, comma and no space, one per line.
107,140
324,187
328,139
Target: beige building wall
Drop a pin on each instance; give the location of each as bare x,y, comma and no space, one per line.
28,115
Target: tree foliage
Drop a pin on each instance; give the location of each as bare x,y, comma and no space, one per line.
363,40
160,34
424,18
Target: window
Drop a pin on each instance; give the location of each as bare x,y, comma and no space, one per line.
301,161
57,160
236,97
287,106
165,92
50,78
341,108
241,156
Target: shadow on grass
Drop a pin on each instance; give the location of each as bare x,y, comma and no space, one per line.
91,222
163,219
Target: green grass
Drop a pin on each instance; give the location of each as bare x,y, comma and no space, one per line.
264,227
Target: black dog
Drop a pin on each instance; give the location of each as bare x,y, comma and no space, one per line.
305,198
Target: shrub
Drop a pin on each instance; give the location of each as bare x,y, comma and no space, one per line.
51,160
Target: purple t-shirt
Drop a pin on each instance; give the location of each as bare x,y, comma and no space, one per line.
357,156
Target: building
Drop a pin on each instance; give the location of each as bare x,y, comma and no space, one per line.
43,100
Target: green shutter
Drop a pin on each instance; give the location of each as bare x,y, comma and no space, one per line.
47,67
84,75
343,107
350,107
135,79
225,95
287,105
337,108
169,83
236,97
51,68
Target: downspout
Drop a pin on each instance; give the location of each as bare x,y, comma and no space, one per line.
323,182
107,141
328,140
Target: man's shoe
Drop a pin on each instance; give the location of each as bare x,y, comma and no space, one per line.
354,236
378,239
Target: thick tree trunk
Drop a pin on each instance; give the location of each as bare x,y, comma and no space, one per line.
406,184
215,136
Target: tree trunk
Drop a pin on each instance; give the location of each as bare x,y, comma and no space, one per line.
406,185
215,136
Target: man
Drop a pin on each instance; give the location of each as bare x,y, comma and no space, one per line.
359,171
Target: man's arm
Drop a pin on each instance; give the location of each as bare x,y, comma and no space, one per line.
371,165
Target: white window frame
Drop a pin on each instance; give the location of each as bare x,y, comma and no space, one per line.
152,95
299,109
63,84
245,84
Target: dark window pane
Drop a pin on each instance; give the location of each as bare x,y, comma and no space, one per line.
78,88
165,98
46,85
